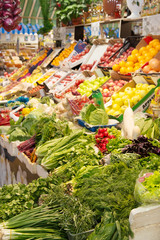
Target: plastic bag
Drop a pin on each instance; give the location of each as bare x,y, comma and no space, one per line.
147,188
98,99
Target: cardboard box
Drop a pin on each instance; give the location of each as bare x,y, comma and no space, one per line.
142,43
143,104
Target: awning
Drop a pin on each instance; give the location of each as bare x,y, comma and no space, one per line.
32,18
31,12
29,28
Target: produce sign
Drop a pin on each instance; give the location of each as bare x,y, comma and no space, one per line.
9,15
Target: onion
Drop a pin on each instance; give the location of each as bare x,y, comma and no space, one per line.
146,69
17,19
154,64
1,22
8,6
17,11
7,14
19,27
1,4
8,24
7,1
17,3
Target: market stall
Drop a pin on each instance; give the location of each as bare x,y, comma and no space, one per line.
79,127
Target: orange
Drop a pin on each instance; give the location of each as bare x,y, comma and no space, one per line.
132,58
148,58
116,67
153,51
123,70
129,64
130,69
135,51
148,47
122,64
155,44
153,41
142,49
157,47
141,63
140,58
136,68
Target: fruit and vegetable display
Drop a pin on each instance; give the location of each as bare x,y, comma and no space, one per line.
92,84
110,87
153,66
107,60
50,82
87,66
45,76
71,90
130,95
139,57
79,55
63,55
93,179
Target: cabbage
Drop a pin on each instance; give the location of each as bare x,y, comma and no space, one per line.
98,117
86,111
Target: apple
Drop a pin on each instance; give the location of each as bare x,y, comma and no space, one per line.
135,99
105,90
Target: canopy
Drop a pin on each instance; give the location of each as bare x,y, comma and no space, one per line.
32,19
31,12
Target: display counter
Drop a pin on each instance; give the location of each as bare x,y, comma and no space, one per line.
15,167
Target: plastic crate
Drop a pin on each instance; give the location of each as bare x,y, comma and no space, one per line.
130,41
79,236
113,123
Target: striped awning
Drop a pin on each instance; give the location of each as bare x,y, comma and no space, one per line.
29,28
32,19
31,12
